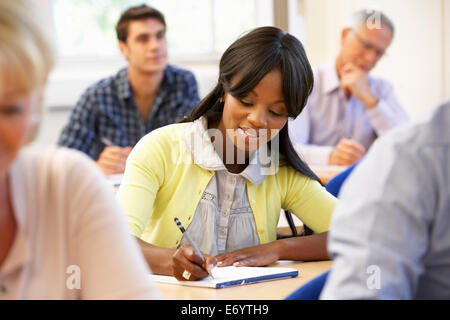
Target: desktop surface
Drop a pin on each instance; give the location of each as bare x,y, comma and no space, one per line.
270,290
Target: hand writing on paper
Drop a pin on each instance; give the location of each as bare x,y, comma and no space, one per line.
261,255
354,81
347,152
185,259
112,160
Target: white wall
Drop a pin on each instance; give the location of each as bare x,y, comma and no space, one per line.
417,61
446,39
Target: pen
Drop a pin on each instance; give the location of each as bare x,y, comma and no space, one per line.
107,142
186,234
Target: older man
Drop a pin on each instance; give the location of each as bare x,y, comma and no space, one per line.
390,238
348,109
113,114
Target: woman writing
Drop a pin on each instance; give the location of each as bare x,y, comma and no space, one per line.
229,168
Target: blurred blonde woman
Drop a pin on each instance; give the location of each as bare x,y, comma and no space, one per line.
62,235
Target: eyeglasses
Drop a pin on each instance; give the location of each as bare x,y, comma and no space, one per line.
367,46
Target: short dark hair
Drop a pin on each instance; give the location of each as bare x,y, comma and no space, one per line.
140,12
250,58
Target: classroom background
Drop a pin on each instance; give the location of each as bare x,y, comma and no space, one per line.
417,63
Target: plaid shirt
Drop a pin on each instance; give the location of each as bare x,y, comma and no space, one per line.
107,110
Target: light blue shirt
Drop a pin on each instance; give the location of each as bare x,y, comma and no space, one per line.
329,117
224,220
390,233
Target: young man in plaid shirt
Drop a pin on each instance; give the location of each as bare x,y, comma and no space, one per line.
114,113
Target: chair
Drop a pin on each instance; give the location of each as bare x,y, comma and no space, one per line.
312,289
306,231
334,185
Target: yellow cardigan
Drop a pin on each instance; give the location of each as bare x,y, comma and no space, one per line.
162,182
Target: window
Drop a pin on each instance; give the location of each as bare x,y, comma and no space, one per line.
198,31
86,28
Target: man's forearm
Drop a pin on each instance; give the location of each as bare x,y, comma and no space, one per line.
370,100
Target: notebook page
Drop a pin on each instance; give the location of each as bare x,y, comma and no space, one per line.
231,275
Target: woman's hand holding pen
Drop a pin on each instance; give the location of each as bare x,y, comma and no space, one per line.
185,259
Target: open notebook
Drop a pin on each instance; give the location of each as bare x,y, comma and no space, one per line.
115,179
233,276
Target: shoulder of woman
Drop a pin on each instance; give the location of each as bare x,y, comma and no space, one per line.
56,167
161,145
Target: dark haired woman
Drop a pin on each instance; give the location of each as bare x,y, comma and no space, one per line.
229,168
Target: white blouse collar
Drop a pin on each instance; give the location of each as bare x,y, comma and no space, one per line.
199,145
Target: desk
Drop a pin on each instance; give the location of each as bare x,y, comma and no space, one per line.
271,290
114,180
326,173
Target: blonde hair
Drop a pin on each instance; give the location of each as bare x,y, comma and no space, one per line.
26,48
27,51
